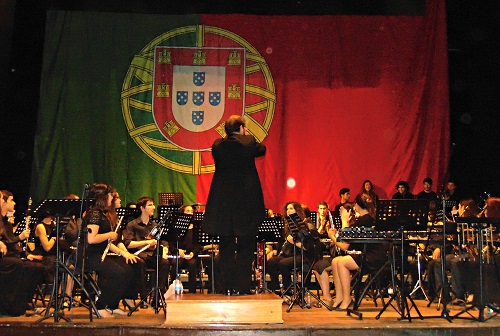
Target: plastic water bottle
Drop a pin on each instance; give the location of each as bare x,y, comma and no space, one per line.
308,299
178,286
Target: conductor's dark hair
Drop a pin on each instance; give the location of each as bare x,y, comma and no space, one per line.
233,123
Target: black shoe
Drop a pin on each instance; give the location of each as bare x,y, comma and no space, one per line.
127,305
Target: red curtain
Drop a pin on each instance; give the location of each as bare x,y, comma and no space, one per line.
358,97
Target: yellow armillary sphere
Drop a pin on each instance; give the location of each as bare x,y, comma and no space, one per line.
182,86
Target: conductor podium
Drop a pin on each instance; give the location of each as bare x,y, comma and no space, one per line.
216,308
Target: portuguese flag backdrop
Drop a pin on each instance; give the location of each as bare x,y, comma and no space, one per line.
336,100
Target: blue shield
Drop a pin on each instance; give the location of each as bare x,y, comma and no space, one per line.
199,78
214,98
182,97
197,117
198,97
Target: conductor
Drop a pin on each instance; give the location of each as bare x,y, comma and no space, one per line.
235,205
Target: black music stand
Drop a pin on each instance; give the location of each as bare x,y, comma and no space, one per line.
177,227
204,239
171,198
61,208
478,224
294,223
269,230
397,216
128,214
156,232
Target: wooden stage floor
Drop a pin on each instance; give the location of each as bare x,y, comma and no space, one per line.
313,321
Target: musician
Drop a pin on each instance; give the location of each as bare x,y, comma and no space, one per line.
323,220
323,267
427,193
19,277
115,274
284,261
45,242
343,265
403,191
451,193
138,241
370,197
345,197
465,271
235,206
454,259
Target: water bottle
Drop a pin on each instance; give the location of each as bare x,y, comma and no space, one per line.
308,299
178,286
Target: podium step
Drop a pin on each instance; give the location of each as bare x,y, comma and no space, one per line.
209,309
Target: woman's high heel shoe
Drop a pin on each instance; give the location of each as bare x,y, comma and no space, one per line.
128,304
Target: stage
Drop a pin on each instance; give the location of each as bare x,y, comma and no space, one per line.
313,321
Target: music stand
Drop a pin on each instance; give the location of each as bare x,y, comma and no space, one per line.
61,208
399,215
205,239
177,227
269,230
170,198
478,224
294,224
128,214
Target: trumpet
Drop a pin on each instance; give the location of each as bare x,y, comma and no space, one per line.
106,250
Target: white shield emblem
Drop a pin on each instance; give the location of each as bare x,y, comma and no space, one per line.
198,82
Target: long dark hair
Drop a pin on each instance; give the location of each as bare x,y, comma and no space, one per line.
298,209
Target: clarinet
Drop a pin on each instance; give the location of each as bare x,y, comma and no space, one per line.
338,251
106,250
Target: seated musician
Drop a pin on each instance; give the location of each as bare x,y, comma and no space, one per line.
323,267
345,197
343,265
45,242
403,191
116,276
455,257
137,239
283,263
370,197
19,276
188,252
465,271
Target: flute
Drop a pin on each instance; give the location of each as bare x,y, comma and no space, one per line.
106,250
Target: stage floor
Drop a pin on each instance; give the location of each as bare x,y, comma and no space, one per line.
313,321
